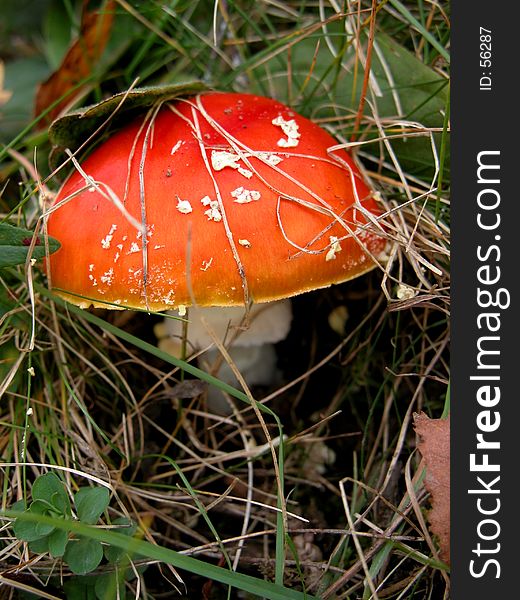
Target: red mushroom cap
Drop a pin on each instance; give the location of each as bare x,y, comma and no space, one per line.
211,200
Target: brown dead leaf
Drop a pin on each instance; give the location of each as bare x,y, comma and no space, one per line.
79,61
434,445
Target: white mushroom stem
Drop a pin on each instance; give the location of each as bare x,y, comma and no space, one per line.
250,345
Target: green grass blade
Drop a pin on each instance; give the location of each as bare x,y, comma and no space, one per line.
247,583
419,27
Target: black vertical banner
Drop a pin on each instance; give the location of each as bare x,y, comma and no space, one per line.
485,474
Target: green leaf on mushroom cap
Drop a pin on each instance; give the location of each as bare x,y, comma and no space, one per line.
15,243
74,128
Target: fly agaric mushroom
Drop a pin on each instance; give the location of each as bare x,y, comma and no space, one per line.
215,200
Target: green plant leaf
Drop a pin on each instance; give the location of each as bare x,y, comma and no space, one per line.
83,555
40,546
8,304
57,31
50,489
28,532
19,506
91,503
113,554
80,588
42,507
22,77
9,354
25,531
57,542
42,530
111,586
37,530
61,503
15,243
